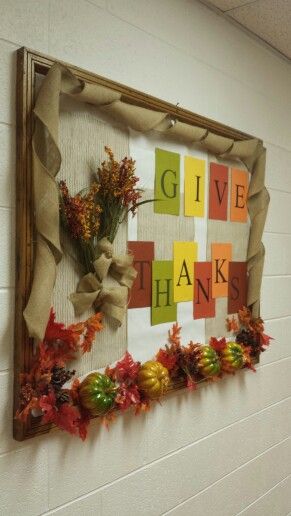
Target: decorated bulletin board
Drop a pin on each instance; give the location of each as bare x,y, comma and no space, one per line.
139,253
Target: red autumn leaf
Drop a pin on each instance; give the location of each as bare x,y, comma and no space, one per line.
217,344
251,366
108,419
166,358
46,357
23,414
83,425
54,354
265,340
191,384
47,404
247,358
67,418
74,390
58,332
127,396
126,369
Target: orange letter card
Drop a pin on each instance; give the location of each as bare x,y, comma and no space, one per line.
221,255
239,195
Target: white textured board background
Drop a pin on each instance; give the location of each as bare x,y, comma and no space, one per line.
234,432
83,136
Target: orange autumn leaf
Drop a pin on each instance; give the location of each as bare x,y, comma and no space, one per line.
142,407
245,316
232,324
247,359
92,326
108,419
23,414
257,325
78,328
174,336
213,379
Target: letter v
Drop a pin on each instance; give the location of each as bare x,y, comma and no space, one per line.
220,197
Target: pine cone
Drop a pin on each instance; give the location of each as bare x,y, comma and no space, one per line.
27,392
60,376
248,338
63,397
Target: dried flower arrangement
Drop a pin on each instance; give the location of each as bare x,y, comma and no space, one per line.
96,213
91,219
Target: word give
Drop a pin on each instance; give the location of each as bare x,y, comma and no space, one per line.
167,188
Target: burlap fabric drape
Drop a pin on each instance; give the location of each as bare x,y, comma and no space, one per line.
47,161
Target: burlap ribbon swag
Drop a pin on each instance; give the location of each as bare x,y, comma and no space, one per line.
91,292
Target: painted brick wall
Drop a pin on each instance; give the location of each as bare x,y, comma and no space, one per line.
226,450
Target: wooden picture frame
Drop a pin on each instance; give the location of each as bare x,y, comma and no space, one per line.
30,63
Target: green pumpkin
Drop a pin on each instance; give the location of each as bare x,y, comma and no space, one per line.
232,357
97,393
208,361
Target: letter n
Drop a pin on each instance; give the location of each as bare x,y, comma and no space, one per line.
204,304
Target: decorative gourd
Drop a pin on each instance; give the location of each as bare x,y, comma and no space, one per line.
153,379
232,357
97,393
207,361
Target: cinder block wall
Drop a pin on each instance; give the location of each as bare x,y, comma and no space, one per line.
226,449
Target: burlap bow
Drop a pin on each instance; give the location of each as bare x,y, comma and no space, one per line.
90,291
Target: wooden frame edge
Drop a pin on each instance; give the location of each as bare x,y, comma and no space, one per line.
30,62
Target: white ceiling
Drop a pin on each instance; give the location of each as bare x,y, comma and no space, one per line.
270,20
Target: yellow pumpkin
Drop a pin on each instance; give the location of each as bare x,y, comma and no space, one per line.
232,357
153,379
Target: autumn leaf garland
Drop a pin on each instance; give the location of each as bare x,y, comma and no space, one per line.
44,389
